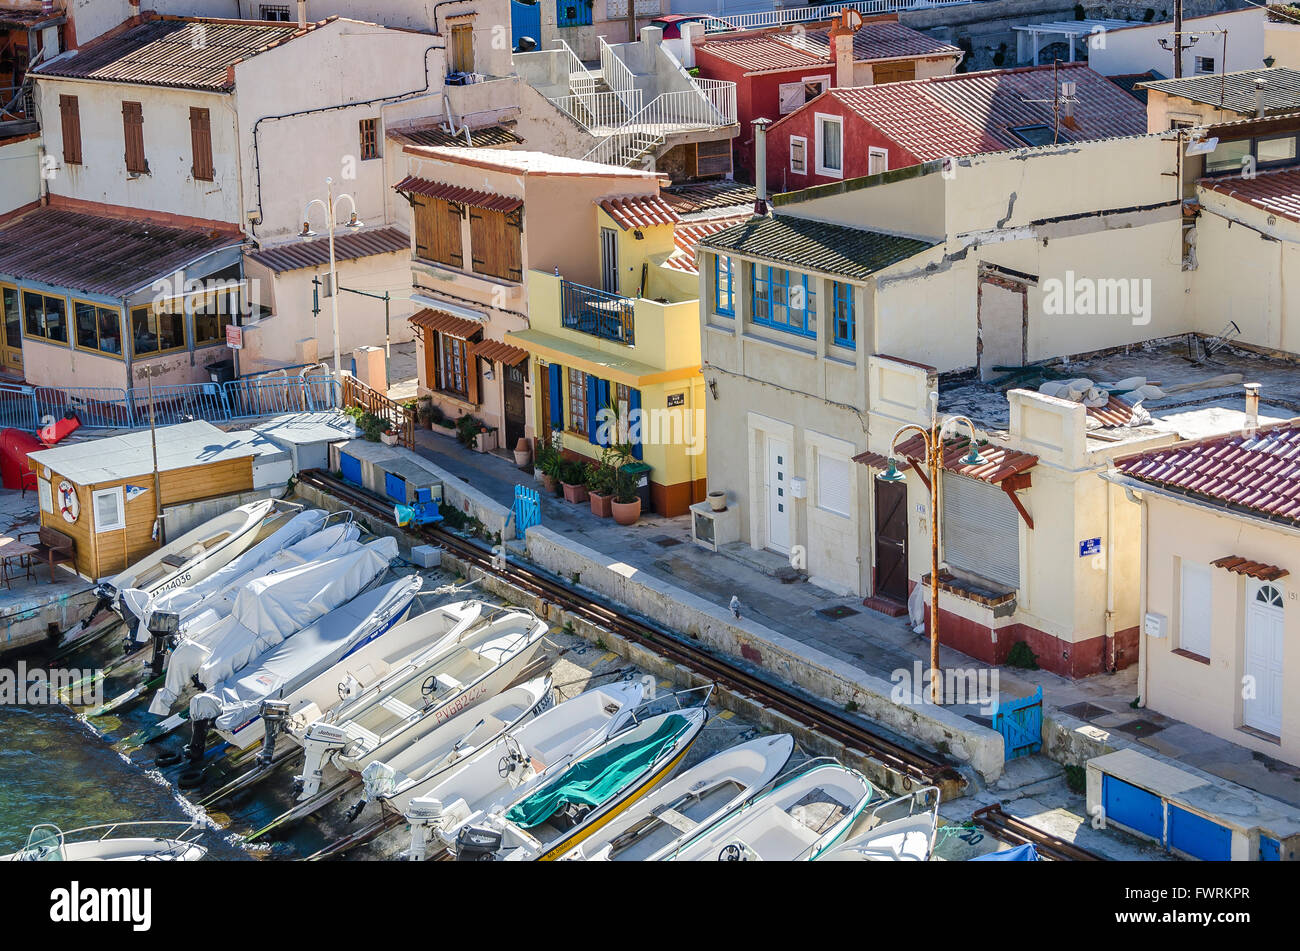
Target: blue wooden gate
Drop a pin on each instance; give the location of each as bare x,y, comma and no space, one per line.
1021,724
527,509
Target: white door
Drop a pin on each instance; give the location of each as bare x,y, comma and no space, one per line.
778,495
1264,657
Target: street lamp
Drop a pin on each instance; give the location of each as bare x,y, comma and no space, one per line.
328,205
933,441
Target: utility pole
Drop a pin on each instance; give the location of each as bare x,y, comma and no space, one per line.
157,482
1178,39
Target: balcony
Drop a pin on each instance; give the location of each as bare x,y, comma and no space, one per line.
598,313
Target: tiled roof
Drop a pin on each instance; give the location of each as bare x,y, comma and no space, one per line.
1000,462
499,352
348,246
1257,473
458,194
699,198
1115,413
1236,91
687,235
439,321
526,162
490,136
877,39
815,245
99,255
167,52
1278,192
757,53
1253,569
887,39
639,211
969,113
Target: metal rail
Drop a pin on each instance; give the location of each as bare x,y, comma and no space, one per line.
911,764
1008,828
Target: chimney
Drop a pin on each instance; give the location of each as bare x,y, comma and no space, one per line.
1252,405
842,48
1259,96
760,165
302,14
47,8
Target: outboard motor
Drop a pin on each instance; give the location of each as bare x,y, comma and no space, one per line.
163,625
425,816
477,845
273,714
320,742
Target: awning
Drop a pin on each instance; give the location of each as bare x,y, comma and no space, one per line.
590,359
1000,463
501,353
458,194
639,211
439,321
1253,569
349,246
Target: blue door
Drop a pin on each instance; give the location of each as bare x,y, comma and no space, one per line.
1198,836
351,468
1135,808
1270,850
395,487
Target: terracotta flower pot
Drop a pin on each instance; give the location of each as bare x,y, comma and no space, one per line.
601,505
549,483
626,513
575,493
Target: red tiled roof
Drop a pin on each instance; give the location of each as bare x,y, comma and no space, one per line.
1278,192
1115,413
1000,462
458,194
786,49
688,235
348,246
1253,569
439,321
499,352
756,53
639,211
887,39
700,198
1258,473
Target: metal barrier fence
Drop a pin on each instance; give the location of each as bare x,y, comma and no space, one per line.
106,407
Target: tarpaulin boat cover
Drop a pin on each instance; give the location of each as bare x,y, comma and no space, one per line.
188,601
313,650
1021,853
266,611
595,779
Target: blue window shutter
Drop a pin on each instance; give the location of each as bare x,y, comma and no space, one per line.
634,406
592,405
557,395
602,401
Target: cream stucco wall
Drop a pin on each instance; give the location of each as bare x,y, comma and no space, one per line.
20,185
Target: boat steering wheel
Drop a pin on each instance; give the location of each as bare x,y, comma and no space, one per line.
735,852
512,758
430,686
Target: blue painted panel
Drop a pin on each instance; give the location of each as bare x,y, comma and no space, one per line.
351,468
1132,807
1270,850
1198,836
526,20
395,487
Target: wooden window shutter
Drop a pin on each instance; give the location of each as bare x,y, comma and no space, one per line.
495,243
201,144
514,245
462,48
71,115
447,242
471,373
133,132
422,212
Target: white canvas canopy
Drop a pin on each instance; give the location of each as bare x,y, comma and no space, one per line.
312,650
268,610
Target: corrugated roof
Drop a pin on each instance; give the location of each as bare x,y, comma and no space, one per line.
499,352
791,49
1236,91
698,198
1000,462
491,136
96,461
439,321
348,246
815,245
1253,569
1257,473
99,255
639,211
458,194
1278,192
188,53
687,235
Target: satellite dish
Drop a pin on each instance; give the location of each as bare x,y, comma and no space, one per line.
853,19
1202,146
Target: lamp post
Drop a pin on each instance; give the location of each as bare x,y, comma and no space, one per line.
328,204
933,439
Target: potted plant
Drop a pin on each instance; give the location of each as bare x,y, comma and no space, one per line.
600,488
485,440
387,435
549,461
467,429
572,475
522,453
626,506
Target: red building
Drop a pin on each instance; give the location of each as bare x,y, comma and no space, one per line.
776,71
848,133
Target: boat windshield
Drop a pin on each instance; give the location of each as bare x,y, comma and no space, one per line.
44,844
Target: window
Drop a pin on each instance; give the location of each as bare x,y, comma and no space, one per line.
201,145
981,530
877,161
453,364
830,146
437,231
1195,582
1034,134
369,139
213,311
98,327
495,246
45,317
779,302
462,47
109,510
1227,156
577,402
833,483
70,113
45,492
1277,149
572,13
794,95
157,328
275,12
713,158
1205,64
724,298
133,133
845,329
798,154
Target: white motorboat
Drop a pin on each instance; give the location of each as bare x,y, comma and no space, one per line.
455,673
233,704
688,803
898,830
572,800
799,819
268,610
49,843
494,776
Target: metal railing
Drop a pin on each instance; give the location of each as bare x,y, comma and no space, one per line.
711,104
598,313
401,418
616,74
602,110
749,21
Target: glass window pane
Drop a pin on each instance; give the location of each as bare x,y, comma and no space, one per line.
144,331
110,330
12,317
171,330
1281,149
1227,156
56,325
87,326
33,311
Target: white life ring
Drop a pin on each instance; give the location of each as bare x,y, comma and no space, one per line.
69,504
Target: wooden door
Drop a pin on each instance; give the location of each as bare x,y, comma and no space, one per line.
891,540
514,405
11,341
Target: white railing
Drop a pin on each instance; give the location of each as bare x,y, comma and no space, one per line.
596,111
750,21
616,74
623,148
711,104
581,79
722,97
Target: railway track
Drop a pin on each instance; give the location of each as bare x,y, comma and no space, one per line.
1002,825
911,764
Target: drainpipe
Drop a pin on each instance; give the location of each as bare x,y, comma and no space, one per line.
1144,666
1109,553
302,14
760,165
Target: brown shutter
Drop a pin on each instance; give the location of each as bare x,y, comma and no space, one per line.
68,109
462,48
133,132
495,243
447,243
201,145
471,373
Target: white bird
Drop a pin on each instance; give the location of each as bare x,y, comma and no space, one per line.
735,605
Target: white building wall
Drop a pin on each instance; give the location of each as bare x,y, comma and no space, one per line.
20,173
1136,49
